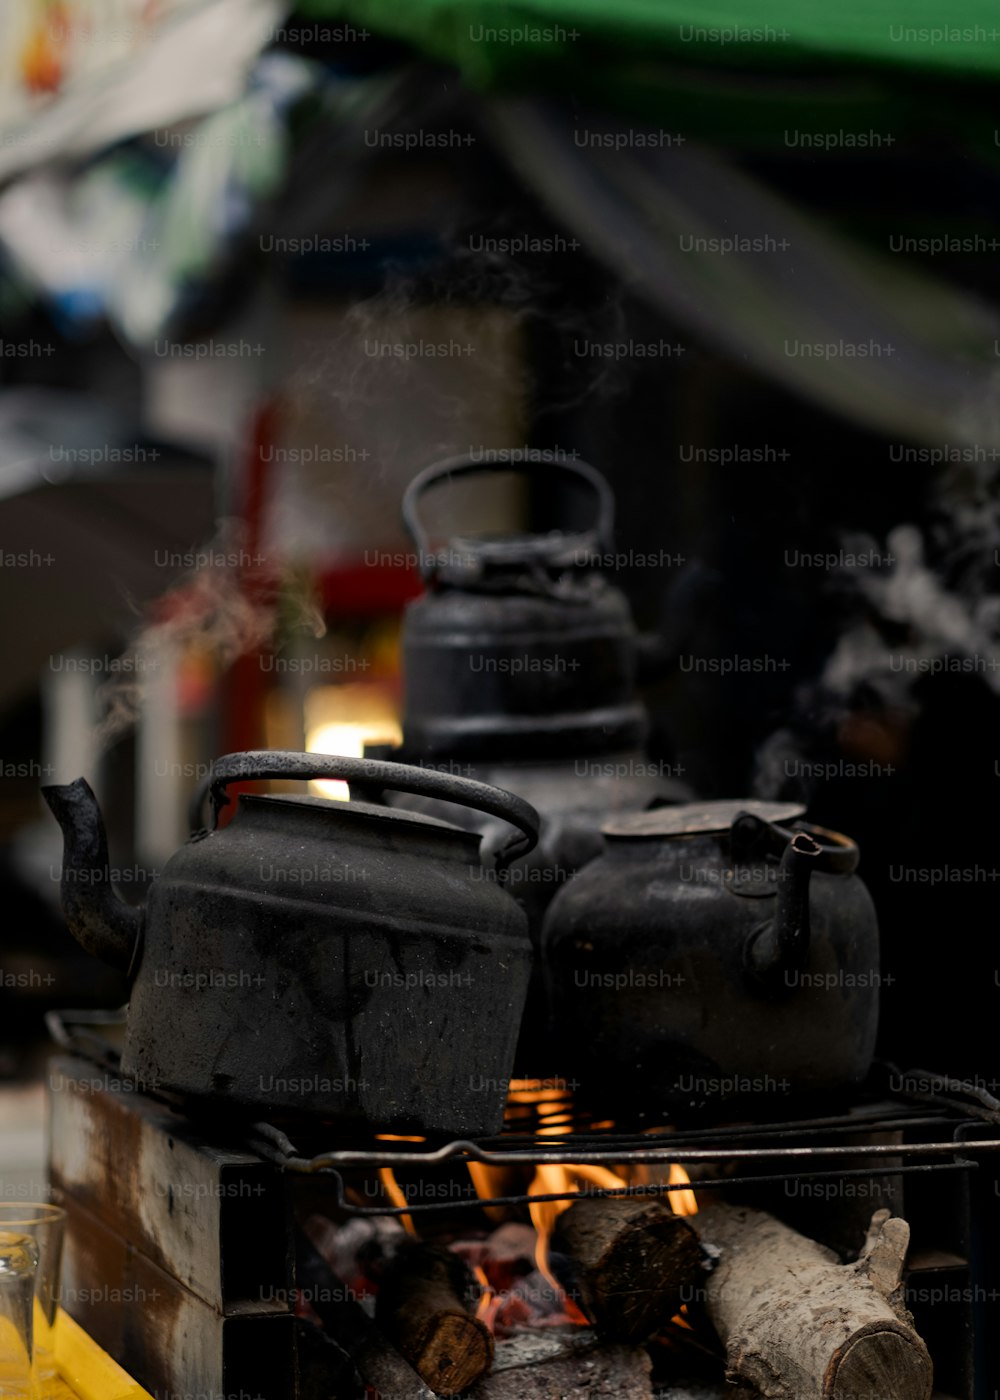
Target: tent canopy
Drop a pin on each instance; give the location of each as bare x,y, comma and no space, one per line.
735,72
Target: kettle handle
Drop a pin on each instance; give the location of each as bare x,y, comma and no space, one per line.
402,777
493,461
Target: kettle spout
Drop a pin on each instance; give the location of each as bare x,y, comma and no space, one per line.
781,946
98,918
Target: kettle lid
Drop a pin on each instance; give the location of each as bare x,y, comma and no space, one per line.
690,818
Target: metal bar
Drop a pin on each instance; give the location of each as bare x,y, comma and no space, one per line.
548,1141
721,1183
749,1132
463,1150
875,1112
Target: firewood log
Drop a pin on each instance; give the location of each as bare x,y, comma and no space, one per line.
631,1257
797,1324
423,1306
386,1374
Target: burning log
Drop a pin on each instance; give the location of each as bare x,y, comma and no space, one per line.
798,1325
423,1307
358,1248
378,1363
633,1257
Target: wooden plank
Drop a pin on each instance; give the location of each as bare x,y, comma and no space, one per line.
182,1202
164,1335
95,1268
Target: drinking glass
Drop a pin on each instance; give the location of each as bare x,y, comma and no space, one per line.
18,1271
45,1225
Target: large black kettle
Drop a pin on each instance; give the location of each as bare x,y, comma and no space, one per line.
318,956
716,954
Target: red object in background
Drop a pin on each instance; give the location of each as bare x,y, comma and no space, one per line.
362,590
348,590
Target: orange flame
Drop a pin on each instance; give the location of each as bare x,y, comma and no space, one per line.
489,1300
681,1202
394,1191
554,1177
549,1109
390,1185
555,1113
488,1182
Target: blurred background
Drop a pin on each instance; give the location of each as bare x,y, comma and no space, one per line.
261,263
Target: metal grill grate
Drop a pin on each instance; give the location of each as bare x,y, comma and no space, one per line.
944,1141
949,1125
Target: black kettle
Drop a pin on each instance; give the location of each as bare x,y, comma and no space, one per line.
520,648
316,956
716,955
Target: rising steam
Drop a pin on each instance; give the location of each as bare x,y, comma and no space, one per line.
936,607
231,603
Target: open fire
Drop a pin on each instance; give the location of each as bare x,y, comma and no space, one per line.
456,1297
607,1255
521,1275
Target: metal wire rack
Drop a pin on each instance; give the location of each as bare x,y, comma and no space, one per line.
836,1147
943,1125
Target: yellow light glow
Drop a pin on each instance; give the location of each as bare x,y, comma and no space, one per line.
342,719
347,739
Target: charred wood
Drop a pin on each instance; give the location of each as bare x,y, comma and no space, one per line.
632,1260
425,1306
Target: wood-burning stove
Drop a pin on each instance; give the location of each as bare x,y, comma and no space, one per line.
185,1261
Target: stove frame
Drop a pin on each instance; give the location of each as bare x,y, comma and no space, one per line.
954,1277
914,1142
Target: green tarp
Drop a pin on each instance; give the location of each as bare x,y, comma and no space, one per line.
716,69
485,39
